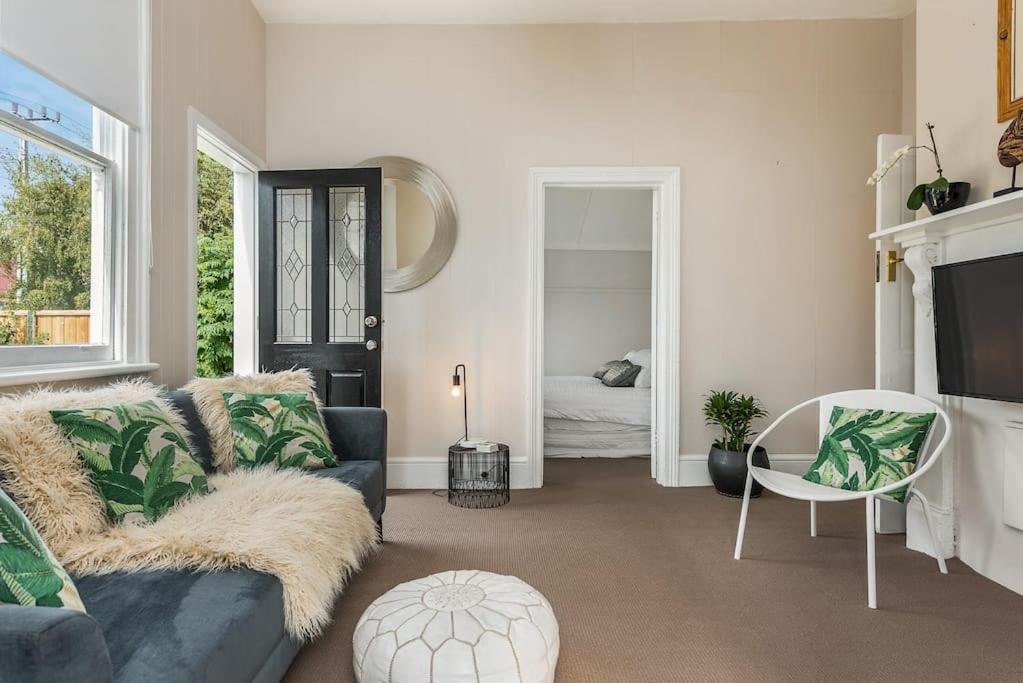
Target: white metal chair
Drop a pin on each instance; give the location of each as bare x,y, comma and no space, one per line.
794,486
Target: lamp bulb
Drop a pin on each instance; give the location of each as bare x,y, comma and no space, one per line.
456,392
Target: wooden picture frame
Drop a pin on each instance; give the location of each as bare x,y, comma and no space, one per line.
1007,106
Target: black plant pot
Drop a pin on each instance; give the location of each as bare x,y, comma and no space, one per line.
940,201
728,471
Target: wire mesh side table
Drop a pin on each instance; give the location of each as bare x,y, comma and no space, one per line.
477,479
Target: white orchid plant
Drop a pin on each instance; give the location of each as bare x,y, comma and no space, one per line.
916,197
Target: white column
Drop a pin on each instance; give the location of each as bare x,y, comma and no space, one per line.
939,483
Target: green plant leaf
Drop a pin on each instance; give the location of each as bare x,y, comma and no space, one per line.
119,487
119,510
250,430
133,438
186,467
867,450
27,575
268,453
164,499
916,198
941,184
93,458
16,531
160,473
901,437
81,427
295,460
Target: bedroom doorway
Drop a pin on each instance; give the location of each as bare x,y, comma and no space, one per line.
604,286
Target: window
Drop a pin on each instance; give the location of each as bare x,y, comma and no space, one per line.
223,301
58,264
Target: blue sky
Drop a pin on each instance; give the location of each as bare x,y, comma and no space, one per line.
20,84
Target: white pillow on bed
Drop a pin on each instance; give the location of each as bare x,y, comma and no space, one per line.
642,359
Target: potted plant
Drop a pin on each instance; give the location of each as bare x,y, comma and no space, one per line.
733,414
939,194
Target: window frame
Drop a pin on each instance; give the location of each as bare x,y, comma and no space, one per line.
103,351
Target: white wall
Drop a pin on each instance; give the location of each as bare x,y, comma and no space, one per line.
596,308
207,54
773,124
968,132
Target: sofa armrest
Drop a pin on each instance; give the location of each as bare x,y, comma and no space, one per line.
357,433
51,644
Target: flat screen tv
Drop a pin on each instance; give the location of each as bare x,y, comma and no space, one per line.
978,326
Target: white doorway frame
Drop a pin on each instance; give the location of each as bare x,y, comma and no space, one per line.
206,136
666,295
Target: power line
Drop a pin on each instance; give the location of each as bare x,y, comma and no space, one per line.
39,113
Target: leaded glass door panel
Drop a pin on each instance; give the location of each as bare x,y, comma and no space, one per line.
320,279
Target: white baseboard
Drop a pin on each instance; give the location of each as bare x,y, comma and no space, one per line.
433,474
693,468
917,537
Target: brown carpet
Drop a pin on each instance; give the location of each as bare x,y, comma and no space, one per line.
645,588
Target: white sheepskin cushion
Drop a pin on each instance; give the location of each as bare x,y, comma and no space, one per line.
208,395
457,626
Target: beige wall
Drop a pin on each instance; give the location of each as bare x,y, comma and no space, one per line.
773,125
909,74
957,92
211,55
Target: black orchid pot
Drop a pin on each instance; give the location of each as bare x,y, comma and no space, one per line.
728,471
940,201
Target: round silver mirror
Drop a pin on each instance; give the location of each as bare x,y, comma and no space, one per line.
418,222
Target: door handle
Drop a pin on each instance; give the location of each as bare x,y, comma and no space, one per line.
893,261
370,321
371,345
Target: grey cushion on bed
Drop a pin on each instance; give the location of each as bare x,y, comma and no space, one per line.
620,373
602,370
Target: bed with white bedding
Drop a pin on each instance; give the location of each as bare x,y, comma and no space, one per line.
582,417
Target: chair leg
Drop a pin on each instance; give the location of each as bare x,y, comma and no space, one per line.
871,557
813,519
930,531
743,515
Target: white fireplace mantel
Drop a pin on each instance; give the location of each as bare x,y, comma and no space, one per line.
986,214
969,477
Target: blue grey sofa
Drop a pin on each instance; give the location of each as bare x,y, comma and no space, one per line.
164,626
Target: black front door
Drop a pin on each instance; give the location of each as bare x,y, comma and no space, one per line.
319,279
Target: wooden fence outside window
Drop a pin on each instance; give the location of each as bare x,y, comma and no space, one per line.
48,327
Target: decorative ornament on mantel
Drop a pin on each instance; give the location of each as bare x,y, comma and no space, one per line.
1010,151
939,195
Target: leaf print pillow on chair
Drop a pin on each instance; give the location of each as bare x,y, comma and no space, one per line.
139,462
866,450
281,430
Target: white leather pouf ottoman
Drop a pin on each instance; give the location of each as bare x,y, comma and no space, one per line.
457,626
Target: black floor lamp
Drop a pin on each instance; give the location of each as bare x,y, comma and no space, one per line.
458,387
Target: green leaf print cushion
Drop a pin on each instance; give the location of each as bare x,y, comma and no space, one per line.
138,460
285,430
866,450
29,573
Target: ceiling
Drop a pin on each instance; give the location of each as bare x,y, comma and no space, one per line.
601,220
567,11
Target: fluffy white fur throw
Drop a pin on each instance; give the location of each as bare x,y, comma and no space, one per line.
308,531
208,395
40,468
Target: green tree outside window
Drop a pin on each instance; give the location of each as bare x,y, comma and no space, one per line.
215,329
